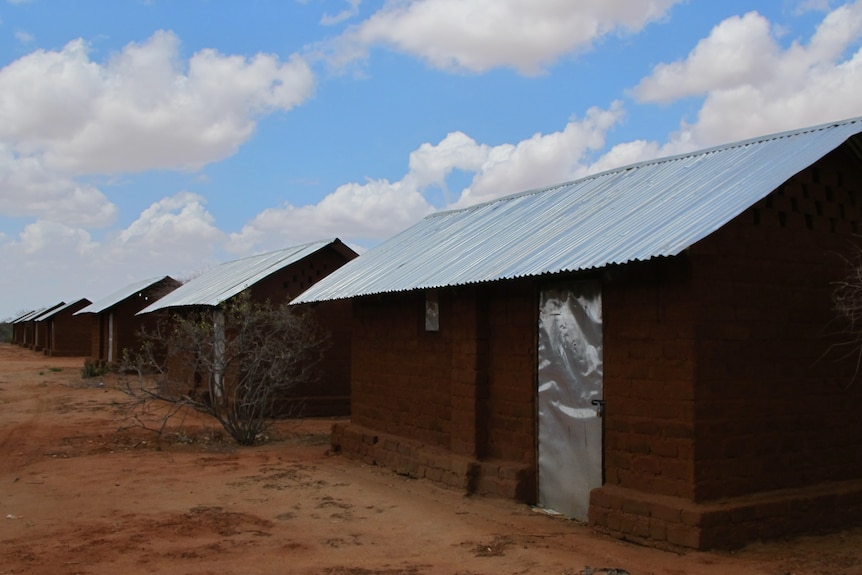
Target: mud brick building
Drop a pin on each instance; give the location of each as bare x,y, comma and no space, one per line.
18,327
114,327
66,334
35,328
278,277
23,329
652,349
39,328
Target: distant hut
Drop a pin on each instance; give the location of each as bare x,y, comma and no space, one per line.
37,329
67,334
114,327
18,326
278,277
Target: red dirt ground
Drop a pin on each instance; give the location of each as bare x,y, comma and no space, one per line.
78,495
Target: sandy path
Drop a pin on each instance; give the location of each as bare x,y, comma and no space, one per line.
77,496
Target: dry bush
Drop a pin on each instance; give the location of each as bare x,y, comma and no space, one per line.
232,362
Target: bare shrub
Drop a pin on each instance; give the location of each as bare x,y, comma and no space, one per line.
233,362
847,302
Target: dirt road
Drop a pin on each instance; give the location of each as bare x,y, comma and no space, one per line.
79,496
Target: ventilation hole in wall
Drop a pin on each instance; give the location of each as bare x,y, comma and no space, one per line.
809,221
841,211
830,194
782,219
818,208
768,203
794,205
756,217
284,285
833,227
815,175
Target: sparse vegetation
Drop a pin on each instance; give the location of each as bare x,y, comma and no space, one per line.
847,302
233,362
93,369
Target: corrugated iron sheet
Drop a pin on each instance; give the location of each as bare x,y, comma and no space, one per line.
28,316
45,313
113,299
228,279
646,210
48,312
51,313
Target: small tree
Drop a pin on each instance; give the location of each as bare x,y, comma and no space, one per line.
233,362
847,302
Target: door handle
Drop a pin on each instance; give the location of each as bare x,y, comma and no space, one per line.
600,406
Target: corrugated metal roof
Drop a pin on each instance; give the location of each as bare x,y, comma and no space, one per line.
646,210
46,312
51,313
28,315
113,299
228,279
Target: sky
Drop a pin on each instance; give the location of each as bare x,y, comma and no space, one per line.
140,139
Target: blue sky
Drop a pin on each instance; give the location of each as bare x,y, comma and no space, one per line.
147,138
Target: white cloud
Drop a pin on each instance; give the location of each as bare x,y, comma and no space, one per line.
171,225
56,237
378,209
346,14
812,6
175,236
738,50
753,86
373,210
30,190
174,232
543,159
24,37
477,35
142,109
63,116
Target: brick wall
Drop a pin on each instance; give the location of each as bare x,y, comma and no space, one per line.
729,417
511,403
95,353
456,405
69,333
402,375
649,367
127,325
774,410
40,335
330,394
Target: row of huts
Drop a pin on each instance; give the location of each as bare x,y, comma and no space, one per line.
653,349
102,330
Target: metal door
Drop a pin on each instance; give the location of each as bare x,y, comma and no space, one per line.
570,389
